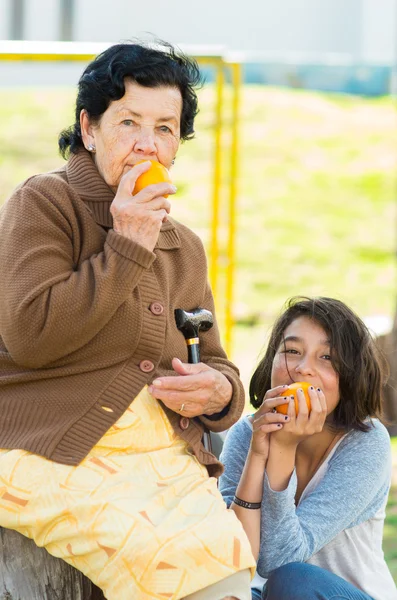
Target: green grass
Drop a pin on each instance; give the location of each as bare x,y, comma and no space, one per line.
316,202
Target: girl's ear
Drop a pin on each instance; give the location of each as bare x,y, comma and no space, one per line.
86,130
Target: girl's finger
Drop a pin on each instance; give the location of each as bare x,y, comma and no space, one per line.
315,401
322,399
274,391
268,418
291,410
271,427
303,411
270,403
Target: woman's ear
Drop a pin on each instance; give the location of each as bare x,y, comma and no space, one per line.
86,130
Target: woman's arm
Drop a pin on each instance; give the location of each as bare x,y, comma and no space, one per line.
49,304
361,463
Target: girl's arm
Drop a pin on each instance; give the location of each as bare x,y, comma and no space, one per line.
250,489
243,477
245,462
361,463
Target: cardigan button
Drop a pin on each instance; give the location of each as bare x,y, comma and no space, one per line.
146,366
184,423
156,308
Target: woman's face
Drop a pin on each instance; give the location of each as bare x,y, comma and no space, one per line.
143,124
304,355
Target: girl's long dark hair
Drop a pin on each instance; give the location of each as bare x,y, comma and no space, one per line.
355,357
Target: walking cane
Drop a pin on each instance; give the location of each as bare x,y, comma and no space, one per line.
190,323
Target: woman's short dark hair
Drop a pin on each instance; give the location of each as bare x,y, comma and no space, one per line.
103,81
355,357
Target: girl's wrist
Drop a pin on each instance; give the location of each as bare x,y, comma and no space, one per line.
257,458
283,445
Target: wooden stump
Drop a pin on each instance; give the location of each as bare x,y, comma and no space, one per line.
30,573
388,345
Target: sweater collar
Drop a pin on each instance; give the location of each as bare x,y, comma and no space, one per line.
84,177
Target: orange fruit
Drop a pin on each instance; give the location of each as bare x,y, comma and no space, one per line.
292,390
156,174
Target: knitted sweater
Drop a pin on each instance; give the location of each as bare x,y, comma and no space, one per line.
87,317
338,522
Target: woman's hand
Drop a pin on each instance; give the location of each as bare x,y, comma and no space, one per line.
201,390
139,218
300,426
265,421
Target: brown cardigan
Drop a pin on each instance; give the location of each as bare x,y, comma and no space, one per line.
87,317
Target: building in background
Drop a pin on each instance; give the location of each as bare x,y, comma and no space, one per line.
336,45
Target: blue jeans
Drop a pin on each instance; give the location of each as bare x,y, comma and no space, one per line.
301,581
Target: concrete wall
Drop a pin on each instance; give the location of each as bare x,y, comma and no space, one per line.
379,31
363,29
5,16
331,45
42,20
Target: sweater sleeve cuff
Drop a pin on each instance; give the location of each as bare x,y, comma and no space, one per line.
280,500
130,249
231,413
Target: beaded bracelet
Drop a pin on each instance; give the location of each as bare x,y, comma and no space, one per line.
245,504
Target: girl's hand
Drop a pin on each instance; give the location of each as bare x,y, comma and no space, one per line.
304,424
266,421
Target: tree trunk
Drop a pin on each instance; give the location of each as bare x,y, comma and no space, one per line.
30,573
388,344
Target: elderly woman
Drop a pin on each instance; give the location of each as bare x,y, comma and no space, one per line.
102,417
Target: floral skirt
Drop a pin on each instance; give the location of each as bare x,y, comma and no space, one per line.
139,516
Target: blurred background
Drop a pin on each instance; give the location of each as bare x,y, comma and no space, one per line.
296,144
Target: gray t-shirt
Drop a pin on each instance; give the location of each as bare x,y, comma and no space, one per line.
338,523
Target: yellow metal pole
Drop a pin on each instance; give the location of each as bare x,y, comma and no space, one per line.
214,244
40,57
231,244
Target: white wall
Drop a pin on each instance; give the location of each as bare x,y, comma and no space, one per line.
278,26
379,30
5,8
363,29
41,20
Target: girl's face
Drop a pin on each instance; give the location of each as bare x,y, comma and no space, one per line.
304,355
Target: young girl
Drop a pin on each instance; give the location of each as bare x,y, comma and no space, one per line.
310,487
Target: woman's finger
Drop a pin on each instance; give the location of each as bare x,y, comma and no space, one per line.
127,182
158,203
153,191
